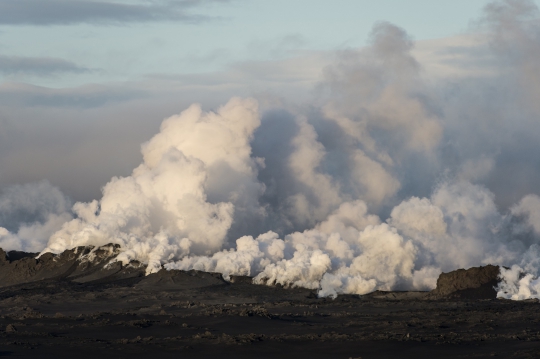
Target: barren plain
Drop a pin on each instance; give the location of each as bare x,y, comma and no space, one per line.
78,304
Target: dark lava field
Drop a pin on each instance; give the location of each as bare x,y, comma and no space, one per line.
78,305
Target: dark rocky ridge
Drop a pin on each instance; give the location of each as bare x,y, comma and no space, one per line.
97,264
79,304
80,264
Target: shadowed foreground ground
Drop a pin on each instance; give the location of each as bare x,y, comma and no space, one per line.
199,315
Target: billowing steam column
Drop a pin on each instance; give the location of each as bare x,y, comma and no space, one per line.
162,211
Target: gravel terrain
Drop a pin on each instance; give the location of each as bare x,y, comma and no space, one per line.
78,305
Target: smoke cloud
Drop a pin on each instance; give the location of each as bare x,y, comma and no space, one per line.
30,214
383,182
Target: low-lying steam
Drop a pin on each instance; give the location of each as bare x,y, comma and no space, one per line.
384,182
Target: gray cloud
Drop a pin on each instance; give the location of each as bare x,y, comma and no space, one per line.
87,96
66,12
40,66
78,138
30,203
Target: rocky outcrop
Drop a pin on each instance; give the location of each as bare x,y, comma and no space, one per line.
80,264
96,265
472,283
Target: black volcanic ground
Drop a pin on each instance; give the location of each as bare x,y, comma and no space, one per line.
77,305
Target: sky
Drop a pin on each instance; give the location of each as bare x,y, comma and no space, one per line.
83,83
58,44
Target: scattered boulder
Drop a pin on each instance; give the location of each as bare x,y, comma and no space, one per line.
472,283
10,328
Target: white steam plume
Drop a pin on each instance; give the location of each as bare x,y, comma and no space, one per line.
385,181
197,172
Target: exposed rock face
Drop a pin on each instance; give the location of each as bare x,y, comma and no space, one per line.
81,264
96,265
472,283
16,255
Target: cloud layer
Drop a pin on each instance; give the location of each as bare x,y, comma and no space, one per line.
67,12
10,65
